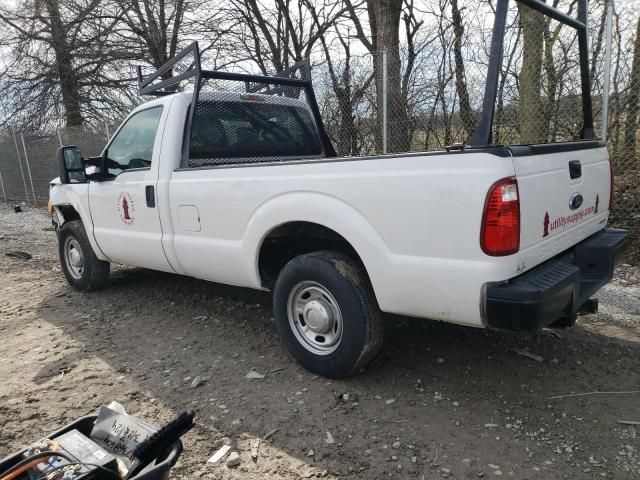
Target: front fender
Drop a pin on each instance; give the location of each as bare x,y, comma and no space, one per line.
75,195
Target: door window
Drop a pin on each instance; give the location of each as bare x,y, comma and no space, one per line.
132,147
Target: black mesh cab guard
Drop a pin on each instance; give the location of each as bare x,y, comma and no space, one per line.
186,66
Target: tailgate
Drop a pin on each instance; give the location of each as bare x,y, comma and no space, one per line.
564,197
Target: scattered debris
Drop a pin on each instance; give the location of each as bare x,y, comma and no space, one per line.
551,332
310,453
222,451
491,425
628,422
233,460
440,360
253,375
435,458
329,440
270,434
390,401
456,404
254,449
19,255
525,353
628,392
197,382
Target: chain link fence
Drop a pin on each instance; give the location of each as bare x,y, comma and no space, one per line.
27,161
427,95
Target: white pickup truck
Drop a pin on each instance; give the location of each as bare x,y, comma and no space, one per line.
244,190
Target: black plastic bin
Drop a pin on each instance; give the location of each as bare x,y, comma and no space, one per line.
163,463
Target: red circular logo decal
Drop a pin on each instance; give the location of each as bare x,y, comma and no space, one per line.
126,208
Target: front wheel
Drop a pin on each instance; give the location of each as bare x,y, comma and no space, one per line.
83,270
326,313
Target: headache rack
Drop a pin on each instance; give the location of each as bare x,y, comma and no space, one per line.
483,135
165,81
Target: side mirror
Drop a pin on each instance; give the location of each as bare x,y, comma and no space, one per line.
71,165
94,167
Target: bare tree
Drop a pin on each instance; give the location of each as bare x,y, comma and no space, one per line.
57,67
384,25
633,104
156,28
277,37
466,113
348,93
616,101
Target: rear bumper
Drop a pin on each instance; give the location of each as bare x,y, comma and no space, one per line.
555,290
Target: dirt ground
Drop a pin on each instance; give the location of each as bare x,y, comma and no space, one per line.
439,400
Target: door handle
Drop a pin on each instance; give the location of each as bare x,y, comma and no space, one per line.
150,195
575,169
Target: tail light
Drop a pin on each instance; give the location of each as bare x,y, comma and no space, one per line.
611,186
500,234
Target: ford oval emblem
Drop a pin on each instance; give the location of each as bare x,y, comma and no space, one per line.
575,201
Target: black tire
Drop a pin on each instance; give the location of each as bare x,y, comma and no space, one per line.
94,273
361,319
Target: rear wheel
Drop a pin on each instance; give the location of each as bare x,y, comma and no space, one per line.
326,313
83,270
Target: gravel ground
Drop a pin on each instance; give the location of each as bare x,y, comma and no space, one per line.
439,401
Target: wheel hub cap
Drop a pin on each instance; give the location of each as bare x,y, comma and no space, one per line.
315,318
75,258
318,316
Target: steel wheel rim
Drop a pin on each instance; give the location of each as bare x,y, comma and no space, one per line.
73,257
315,318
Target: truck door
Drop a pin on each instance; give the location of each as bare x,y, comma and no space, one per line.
126,223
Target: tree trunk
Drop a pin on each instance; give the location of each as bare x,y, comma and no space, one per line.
531,107
347,131
551,107
384,18
64,63
466,115
616,112
633,105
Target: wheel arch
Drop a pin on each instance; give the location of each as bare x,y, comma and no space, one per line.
65,213
291,239
322,222
71,202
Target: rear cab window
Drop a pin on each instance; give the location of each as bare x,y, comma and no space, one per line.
236,131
